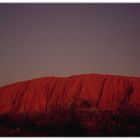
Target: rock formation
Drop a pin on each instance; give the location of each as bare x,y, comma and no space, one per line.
103,92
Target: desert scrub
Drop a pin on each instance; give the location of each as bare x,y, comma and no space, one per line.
85,120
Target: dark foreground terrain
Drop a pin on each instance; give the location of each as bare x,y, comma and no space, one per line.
70,123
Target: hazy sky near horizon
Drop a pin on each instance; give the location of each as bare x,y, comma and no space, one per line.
38,40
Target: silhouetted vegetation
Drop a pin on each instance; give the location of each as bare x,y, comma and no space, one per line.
85,120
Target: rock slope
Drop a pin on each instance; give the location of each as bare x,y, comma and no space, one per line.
103,92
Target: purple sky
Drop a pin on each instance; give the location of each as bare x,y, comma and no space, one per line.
65,39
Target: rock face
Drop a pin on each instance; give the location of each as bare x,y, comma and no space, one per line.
103,92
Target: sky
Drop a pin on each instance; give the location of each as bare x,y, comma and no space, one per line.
39,40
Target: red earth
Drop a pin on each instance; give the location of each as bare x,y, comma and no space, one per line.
86,93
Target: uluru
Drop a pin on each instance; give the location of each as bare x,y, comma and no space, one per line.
78,105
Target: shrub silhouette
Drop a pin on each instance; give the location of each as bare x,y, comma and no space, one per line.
85,120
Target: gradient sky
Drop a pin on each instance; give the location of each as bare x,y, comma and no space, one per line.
38,40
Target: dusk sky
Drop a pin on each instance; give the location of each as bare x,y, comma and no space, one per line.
39,40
